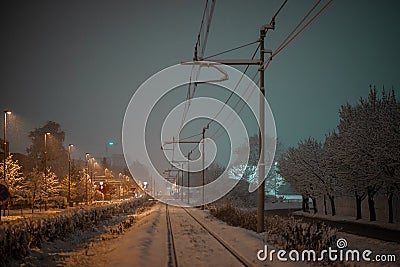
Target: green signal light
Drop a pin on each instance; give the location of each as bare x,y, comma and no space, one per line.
110,143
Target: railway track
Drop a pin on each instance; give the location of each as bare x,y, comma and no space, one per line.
174,261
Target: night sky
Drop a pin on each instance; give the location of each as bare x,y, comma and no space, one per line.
79,62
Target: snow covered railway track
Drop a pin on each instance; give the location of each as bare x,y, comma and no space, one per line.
201,237
221,241
172,260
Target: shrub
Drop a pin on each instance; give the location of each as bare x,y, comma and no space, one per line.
17,238
287,233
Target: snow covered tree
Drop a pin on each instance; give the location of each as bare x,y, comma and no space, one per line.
369,135
64,188
85,189
14,176
41,187
250,171
305,167
14,179
33,184
291,168
51,187
57,155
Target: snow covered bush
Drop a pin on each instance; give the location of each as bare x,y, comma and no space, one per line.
17,238
286,233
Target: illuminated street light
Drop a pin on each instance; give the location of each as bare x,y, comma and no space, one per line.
45,167
6,112
69,173
87,155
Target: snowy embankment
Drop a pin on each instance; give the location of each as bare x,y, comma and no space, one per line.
341,218
34,239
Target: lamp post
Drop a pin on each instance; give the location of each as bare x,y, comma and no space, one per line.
69,173
6,112
92,162
87,173
45,168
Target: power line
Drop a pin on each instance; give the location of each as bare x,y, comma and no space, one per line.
285,44
203,49
197,45
278,11
227,100
301,22
290,38
233,91
182,139
230,50
198,41
234,107
199,34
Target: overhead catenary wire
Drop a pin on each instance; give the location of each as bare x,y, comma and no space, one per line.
207,28
197,45
272,22
308,24
230,50
198,41
227,100
295,33
234,90
189,137
234,107
290,38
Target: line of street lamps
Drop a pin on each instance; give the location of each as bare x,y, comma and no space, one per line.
46,135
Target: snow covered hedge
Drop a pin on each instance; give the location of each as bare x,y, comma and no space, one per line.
17,238
286,233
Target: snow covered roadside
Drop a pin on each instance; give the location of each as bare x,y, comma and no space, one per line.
144,244
341,218
247,242
354,242
376,246
50,250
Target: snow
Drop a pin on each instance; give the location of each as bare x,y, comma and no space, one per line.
376,246
145,244
343,218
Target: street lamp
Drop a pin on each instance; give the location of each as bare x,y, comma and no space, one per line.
45,167
69,173
6,112
92,162
87,155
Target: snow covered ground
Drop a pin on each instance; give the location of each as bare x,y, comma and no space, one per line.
342,218
146,244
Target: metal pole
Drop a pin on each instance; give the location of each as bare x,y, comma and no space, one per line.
5,147
261,167
45,169
188,176
91,180
202,157
86,178
69,174
182,183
